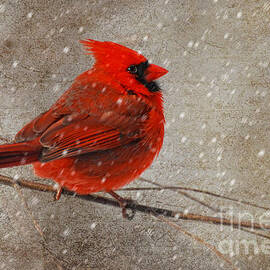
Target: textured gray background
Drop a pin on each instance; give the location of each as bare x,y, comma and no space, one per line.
217,134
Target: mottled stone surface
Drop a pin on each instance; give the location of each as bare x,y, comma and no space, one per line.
217,135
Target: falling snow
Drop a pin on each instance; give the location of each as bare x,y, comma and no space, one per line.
15,64
2,8
261,153
239,14
183,139
216,105
182,115
29,15
66,49
190,44
93,226
119,101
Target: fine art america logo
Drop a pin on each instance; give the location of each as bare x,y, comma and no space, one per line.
236,246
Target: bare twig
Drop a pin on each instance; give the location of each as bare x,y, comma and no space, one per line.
4,139
29,212
256,233
196,238
58,262
184,194
138,207
195,190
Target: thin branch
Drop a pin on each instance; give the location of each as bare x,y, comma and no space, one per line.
256,233
31,69
29,212
195,190
4,139
58,262
184,194
196,238
138,207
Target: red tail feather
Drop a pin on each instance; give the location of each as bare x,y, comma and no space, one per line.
18,154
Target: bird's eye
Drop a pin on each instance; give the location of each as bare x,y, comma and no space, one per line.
132,69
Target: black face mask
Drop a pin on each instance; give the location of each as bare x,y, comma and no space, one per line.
139,72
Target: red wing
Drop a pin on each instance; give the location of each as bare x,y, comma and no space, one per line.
37,126
90,116
107,103
77,138
28,133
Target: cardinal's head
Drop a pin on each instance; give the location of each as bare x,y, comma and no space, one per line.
130,68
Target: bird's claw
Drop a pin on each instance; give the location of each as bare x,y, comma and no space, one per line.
123,203
58,193
126,215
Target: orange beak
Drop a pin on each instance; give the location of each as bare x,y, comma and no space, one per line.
154,72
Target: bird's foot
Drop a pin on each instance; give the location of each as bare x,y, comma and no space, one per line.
58,193
123,202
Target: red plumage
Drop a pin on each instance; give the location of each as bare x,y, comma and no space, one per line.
103,132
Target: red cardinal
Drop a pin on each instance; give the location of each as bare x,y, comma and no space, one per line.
103,132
